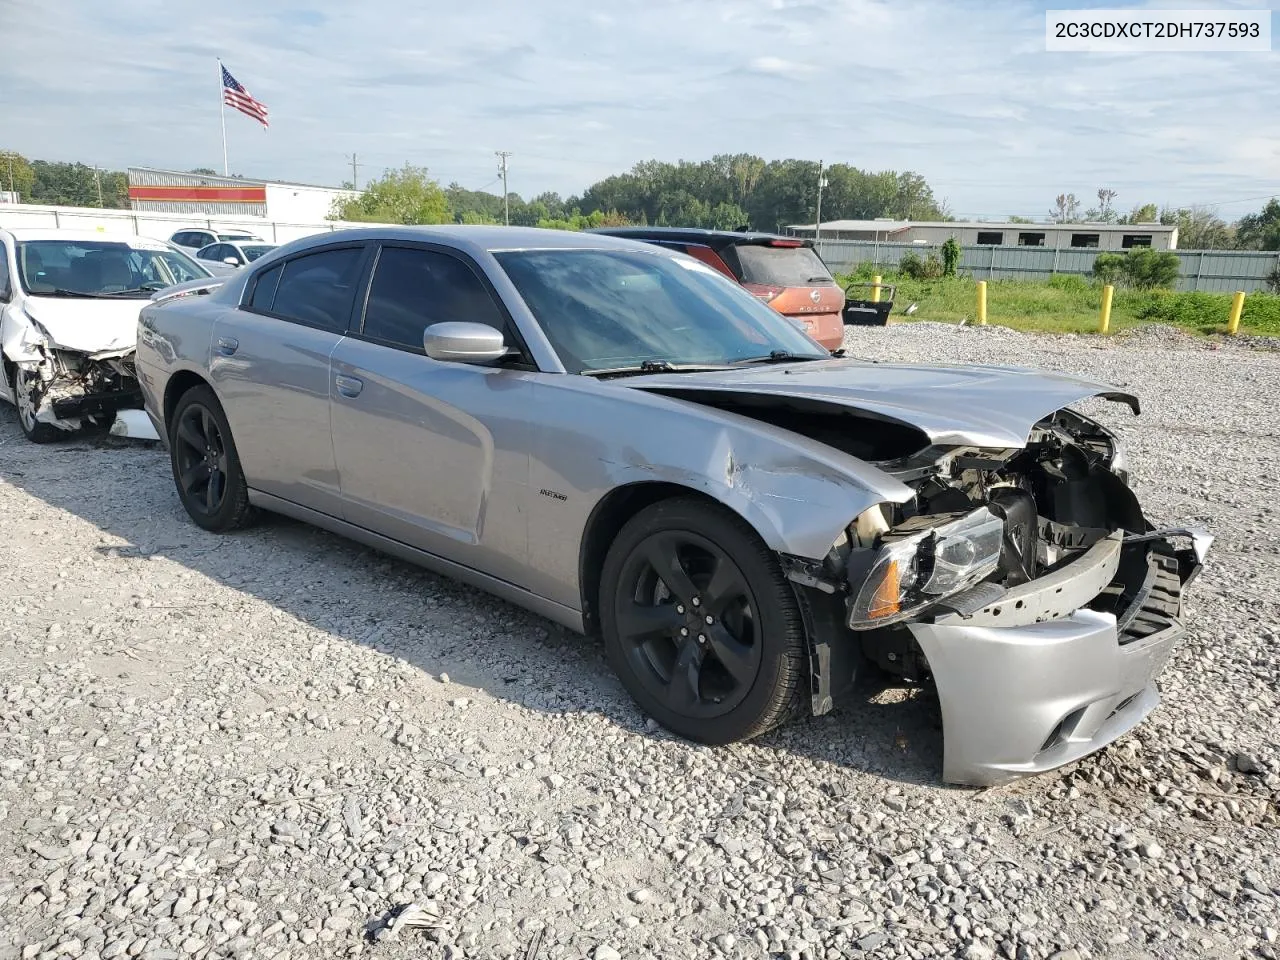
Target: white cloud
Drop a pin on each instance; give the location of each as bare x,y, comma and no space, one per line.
960,92
779,67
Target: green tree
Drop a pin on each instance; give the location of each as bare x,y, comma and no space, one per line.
1261,230
1199,228
204,171
1145,213
407,195
16,174
1108,268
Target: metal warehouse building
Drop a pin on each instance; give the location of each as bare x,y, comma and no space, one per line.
170,191
1098,236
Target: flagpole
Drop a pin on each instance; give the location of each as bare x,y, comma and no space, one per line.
222,105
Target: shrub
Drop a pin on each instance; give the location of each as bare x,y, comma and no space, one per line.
1148,269
1108,267
930,268
1273,280
1141,268
950,257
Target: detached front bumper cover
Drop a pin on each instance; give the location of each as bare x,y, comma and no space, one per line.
1036,679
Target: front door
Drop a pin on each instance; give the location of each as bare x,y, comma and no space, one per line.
432,454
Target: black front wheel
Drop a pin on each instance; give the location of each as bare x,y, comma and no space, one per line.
206,467
701,625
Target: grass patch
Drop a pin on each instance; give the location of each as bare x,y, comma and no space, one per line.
1070,304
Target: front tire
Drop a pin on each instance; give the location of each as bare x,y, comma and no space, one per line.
206,467
700,624
26,398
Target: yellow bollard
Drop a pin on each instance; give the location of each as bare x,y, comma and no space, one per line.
1104,318
875,290
1237,308
982,303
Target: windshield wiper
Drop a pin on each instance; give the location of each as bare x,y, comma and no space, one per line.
653,366
69,293
777,356
151,286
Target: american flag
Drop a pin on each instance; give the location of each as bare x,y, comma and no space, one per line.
235,95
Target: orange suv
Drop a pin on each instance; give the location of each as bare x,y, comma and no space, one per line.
784,272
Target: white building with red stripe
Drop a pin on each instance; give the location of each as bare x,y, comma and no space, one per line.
172,191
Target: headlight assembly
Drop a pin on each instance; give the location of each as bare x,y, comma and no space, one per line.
910,572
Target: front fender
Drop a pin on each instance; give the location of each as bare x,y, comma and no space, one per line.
593,438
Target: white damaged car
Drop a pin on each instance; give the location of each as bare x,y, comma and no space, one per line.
69,304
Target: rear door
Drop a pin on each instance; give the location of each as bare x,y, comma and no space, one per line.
270,367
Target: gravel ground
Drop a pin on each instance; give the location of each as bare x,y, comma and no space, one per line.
268,744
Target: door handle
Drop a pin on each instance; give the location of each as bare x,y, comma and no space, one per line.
228,345
348,386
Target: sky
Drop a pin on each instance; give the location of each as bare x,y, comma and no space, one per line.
963,93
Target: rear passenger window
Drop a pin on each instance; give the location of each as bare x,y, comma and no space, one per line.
318,289
264,290
414,288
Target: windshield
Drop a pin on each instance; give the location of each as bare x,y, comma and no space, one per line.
253,251
100,268
611,308
782,266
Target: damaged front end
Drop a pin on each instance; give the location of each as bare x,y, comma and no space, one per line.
1026,583
68,390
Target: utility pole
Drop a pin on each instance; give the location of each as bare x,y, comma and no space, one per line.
355,182
502,160
817,225
11,190
97,178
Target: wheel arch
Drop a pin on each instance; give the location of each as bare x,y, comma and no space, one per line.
612,512
178,384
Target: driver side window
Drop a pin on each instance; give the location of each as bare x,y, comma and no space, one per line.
413,288
6,289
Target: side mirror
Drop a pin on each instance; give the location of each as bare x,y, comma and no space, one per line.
231,260
459,342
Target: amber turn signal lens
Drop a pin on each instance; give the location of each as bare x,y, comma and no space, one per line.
886,602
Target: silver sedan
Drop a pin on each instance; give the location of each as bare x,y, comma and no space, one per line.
619,438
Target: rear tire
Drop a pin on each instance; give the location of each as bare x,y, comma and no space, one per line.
206,467
672,568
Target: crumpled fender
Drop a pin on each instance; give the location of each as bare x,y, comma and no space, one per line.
23,340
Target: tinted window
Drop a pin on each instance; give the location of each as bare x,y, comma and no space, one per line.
990,238
253,251
413,289
264,290
210,252
318,289
4,273
782,266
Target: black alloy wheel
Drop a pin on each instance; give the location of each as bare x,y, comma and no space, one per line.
700,624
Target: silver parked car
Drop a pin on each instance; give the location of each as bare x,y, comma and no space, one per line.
227,257
618,437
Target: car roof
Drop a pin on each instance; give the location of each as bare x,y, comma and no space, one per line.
477,239
716,239
49,233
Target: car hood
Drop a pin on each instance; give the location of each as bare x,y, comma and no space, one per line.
953,404
87,326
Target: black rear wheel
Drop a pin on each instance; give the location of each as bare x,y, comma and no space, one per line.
700,624
206,467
